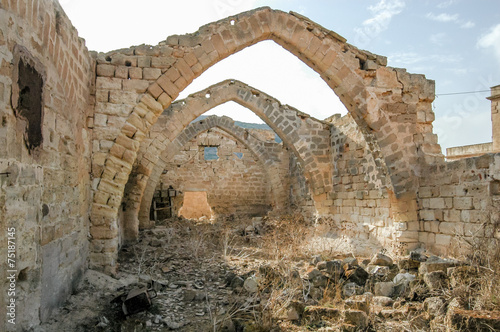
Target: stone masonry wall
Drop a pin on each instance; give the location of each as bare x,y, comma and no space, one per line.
300,195
359,202
458,202
135,85
46,76
234,185
156,150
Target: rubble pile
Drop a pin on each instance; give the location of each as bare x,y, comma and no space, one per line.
188,276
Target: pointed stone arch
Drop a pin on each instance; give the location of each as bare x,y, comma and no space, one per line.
300,133
150,173
389,103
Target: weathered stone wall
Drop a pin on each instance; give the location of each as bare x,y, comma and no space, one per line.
360,203
135,85
46,78
157,149
459,201
300,196
236,183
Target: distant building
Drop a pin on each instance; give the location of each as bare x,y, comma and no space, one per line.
474,150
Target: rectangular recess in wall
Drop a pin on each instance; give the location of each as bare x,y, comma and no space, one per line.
495,188
27,95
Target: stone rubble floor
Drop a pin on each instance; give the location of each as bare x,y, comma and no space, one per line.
246,275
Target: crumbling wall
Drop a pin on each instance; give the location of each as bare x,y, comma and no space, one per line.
135,85
235,182
359,202
45,86
300,197
459,203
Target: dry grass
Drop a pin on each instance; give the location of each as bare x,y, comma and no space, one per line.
273,253
481,291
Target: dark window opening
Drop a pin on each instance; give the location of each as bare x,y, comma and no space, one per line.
29,103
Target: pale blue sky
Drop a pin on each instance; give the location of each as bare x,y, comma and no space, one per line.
454,42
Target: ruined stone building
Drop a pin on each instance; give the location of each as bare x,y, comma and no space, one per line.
87,140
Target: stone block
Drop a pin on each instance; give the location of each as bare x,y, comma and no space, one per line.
106,70
437,280
436,203
358,302
451,228
436,264
109,83
384,289
435,306
381,260
151,73
135,73
357,318
139,86
463,203
443,240
318,313
121,72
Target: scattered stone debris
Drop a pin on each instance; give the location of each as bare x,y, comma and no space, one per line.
202,283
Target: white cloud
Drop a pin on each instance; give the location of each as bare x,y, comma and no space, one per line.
451,18
446,4
438,38
468,25
491,39
410,58
443,17
383,12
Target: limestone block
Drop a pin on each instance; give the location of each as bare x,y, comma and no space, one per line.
384,289
435,306
100,260
144,61
137,85
108,83
436,264
135,73
381,260
436,280
151,104
443,240
436,203
451,228
357,318
463,203
151,73
359,302
105,70
121,72
122,97
162,62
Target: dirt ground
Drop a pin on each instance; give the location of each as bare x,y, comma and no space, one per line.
247,274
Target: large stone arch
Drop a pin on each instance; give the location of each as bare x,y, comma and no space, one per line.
138,201
299,132
389,103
